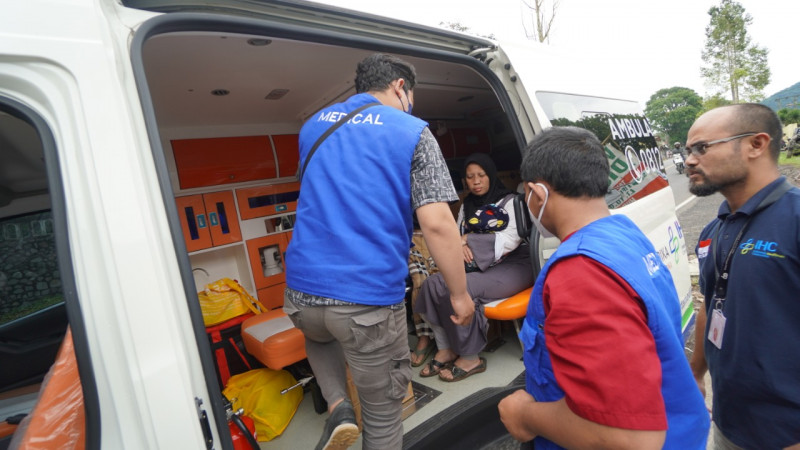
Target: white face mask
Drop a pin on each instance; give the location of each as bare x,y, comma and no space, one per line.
537,221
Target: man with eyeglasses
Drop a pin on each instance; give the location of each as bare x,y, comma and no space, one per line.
748,332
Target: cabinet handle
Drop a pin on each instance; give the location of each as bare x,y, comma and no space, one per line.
192,222
223,218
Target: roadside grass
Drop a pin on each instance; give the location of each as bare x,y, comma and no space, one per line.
793,161
31,307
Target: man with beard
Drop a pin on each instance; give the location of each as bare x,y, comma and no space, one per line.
749,256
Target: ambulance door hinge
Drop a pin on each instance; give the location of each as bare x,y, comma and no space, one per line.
206,427
480,54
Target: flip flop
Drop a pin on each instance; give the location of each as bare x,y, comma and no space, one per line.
425,353
459,373
434,367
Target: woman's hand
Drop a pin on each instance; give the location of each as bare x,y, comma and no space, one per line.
465,248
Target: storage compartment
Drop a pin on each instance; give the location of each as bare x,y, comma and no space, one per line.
226,262
222,220
266,259
192,214
267,200
277,224
288,152
217,161
208,220
272,297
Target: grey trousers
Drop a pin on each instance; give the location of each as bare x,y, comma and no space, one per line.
373,341
720,441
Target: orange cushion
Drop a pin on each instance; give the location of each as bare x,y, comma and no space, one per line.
512,308
6,429
272,338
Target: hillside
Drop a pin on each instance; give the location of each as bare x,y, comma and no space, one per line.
787,98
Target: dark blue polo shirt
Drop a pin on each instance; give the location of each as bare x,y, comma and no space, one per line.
756,374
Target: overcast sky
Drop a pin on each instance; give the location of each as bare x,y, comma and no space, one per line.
668,34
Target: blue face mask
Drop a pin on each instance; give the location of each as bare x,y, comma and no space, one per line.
408,100
537,220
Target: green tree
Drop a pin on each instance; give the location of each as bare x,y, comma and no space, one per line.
673,110
732,61
715,101
596,123
789,116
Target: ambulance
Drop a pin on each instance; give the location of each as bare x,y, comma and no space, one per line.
149,147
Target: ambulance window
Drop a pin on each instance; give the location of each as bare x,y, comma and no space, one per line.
35,267
32,316
628,139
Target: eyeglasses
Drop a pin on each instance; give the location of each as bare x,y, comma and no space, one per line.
699,148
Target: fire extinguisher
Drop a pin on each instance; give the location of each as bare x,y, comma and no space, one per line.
242,428
243,432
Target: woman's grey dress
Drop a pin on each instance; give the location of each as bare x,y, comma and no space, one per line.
502,280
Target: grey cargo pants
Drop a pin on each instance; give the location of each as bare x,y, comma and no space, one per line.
373,341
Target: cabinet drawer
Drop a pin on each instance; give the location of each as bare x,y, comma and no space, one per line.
267,200
272,297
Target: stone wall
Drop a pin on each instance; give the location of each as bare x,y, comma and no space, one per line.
29,272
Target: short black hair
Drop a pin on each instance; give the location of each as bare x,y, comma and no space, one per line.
376,71
756,117
570,159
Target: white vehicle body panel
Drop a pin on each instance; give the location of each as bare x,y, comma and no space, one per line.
69,66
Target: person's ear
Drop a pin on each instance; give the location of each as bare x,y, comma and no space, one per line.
759,144
529,185
398,85
538,195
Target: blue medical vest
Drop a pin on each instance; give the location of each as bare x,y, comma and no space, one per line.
353,230
618,244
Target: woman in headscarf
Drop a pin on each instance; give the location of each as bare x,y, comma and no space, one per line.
498,266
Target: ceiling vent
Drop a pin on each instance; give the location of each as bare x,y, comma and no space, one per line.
276,94
255,42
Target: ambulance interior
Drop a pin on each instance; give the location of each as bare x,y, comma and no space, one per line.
227,108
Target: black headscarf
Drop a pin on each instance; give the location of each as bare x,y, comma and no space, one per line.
497,190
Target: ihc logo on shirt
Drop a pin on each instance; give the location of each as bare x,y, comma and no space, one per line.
763,249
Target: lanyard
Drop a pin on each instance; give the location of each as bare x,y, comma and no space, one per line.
721,285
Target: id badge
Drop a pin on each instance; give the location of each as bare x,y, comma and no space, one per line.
717,328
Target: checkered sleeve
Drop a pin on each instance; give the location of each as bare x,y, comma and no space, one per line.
430,178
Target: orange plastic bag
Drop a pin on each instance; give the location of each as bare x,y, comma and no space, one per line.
259,393
225,299
57,420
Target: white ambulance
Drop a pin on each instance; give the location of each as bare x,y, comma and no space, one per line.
125,124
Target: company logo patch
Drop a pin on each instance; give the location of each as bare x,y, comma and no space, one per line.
760,248
702,248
